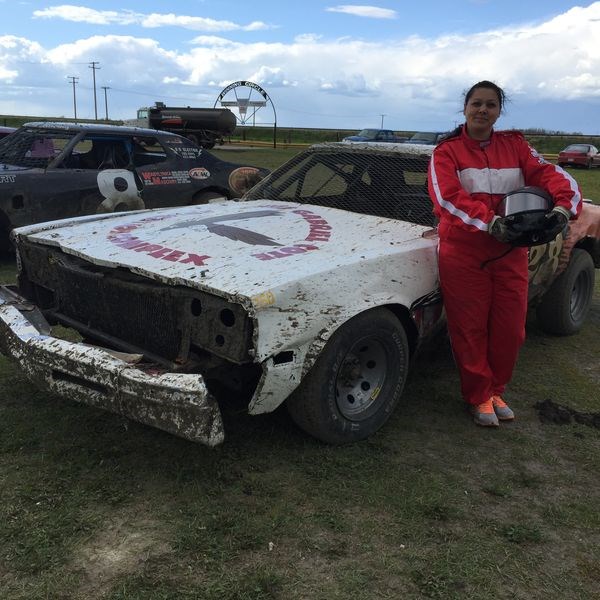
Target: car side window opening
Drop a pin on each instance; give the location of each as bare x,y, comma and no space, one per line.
147,151
32,149
100,153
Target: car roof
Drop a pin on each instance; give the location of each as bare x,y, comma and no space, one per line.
96,128
374,148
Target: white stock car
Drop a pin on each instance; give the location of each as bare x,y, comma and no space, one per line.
316,289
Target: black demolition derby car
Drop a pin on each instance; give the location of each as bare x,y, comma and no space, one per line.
314,290
52,171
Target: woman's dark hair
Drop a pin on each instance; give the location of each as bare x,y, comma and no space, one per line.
490,85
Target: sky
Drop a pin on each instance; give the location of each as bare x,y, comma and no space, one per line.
403,65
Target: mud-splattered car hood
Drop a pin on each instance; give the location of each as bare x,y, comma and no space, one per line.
233,248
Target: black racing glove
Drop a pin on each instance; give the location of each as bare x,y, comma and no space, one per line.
500,229
557,220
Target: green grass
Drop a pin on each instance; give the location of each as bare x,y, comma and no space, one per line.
94,506
271,158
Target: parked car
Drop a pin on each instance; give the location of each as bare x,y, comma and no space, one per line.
316,289
58,170
428,138
579,155
4,131
374,135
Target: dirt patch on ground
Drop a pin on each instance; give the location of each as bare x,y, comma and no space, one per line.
552,412
128,540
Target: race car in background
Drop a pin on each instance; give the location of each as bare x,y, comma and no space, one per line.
56,170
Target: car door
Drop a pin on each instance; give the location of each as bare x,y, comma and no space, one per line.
93,176
166,174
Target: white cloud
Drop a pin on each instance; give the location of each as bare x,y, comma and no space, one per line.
374,12
81,14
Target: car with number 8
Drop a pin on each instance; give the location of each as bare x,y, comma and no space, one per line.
316,289
52,171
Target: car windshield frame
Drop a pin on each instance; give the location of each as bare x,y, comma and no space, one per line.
387,184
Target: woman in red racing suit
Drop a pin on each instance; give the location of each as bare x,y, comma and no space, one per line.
484,285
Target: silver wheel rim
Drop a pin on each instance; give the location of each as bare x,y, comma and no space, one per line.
579,295
360,378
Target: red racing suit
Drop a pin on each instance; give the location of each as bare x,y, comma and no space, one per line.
484,282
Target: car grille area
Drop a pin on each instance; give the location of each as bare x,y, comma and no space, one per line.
132,312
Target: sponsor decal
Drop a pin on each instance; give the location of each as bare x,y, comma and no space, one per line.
122,236
319,229
243,178
186,152
165,177
199,173
285,251
7,178
535,154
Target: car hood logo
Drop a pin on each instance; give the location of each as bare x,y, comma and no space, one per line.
215,225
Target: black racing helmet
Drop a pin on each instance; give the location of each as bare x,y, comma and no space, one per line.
524,211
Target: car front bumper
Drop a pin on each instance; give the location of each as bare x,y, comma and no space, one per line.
178,403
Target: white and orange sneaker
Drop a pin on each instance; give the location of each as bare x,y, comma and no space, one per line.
484,414
502,410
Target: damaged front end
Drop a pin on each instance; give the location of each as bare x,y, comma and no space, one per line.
148,350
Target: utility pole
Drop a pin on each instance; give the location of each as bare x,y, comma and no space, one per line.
105,87
93,66
382,121
74,81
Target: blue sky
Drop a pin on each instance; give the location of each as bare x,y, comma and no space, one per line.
323,64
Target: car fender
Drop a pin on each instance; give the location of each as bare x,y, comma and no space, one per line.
283,372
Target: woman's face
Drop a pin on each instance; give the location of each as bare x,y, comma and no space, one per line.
481,112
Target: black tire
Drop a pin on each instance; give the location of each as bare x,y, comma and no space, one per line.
564,307
356,382
206,197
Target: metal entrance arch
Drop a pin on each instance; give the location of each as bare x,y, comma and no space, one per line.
245,107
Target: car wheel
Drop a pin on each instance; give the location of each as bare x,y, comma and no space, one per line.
207,197
564,307
356,382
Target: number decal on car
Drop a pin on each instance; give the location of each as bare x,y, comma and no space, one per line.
543,260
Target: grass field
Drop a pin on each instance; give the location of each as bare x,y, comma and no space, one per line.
93,506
